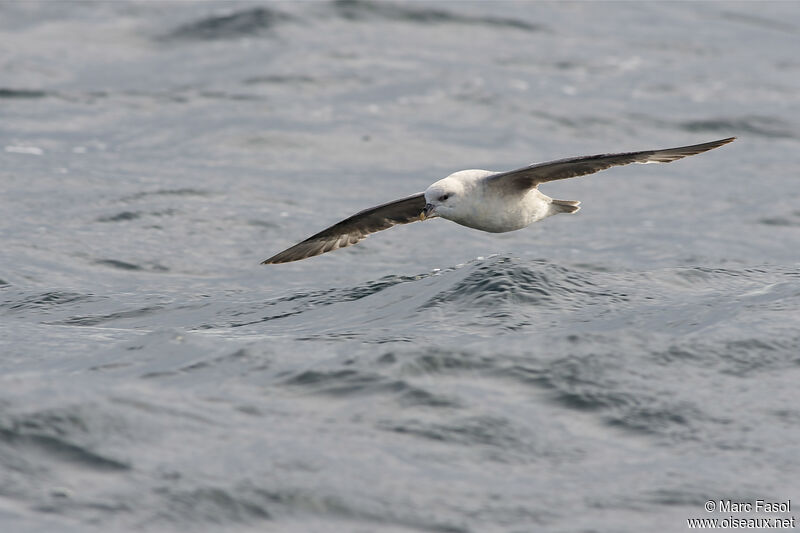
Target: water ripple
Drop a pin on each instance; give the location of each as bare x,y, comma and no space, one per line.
229,26
757,125
365,9
57,435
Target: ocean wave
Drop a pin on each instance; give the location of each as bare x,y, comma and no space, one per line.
6,92
254,503
491,431
186,191
343,382
365,10
229,26
103,318
789,220
763,126
57,435
503,280
304,300
18,302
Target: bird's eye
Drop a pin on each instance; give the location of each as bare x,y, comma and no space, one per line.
444,197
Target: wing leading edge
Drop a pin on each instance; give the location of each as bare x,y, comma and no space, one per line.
531,176
354,229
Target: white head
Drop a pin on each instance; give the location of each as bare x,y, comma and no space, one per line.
446,197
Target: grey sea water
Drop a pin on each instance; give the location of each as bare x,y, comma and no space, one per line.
607,371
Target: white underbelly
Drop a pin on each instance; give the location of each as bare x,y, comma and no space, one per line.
501,216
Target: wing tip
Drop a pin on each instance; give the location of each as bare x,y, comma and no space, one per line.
715,144
712,144
282,257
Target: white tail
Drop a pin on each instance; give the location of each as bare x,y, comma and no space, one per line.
564,206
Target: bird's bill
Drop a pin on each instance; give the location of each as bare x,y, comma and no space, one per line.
428,212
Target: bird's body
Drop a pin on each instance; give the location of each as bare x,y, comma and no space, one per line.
494,202
492,211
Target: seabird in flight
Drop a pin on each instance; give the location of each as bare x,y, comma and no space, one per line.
489,201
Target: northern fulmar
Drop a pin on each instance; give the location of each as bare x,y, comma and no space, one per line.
495,202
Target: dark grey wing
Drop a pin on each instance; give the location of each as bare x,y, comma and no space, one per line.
355,228
529,177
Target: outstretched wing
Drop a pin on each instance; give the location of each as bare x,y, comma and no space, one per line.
529,177
355,228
